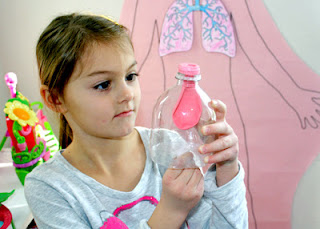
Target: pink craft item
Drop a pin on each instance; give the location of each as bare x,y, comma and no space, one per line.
11,81
27,132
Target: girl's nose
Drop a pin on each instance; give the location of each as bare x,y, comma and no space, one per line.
125,92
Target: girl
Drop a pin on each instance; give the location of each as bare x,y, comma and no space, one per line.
104,177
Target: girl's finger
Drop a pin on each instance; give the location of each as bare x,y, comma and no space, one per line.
200,186
219,144
221,128
173,174
220,109
185,176
226,155
196,177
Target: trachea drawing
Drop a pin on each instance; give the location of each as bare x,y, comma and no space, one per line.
217,29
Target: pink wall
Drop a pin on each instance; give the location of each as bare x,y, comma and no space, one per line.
272,97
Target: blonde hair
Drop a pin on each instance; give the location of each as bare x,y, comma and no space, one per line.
61,46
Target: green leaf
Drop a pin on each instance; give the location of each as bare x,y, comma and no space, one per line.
5,195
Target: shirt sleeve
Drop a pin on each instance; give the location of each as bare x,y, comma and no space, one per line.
221,207
50,210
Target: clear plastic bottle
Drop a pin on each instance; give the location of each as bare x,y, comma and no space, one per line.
178,116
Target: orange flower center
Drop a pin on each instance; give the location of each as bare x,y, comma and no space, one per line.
21,113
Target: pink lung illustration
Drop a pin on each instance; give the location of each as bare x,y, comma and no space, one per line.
217,30
177,29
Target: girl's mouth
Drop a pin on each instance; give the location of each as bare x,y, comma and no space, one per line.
125,114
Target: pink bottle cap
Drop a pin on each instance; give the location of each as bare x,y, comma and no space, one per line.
189,69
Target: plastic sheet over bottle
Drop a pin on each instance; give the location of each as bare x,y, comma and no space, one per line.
170,146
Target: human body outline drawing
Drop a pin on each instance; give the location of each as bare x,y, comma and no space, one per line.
306,115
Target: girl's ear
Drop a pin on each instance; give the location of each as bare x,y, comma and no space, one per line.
54,103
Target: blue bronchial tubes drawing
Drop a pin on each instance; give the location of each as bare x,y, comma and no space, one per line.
217,31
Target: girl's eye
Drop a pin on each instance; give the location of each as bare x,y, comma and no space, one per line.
132,76
102,86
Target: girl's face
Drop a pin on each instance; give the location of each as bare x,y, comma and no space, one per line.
102,96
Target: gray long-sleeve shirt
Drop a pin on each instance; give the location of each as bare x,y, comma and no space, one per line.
60,196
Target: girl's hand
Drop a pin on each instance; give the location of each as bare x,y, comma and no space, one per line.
182,189
223,151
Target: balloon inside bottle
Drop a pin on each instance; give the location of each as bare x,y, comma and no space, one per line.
178,116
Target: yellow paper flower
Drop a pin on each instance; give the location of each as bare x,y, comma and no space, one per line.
22,97
21,113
